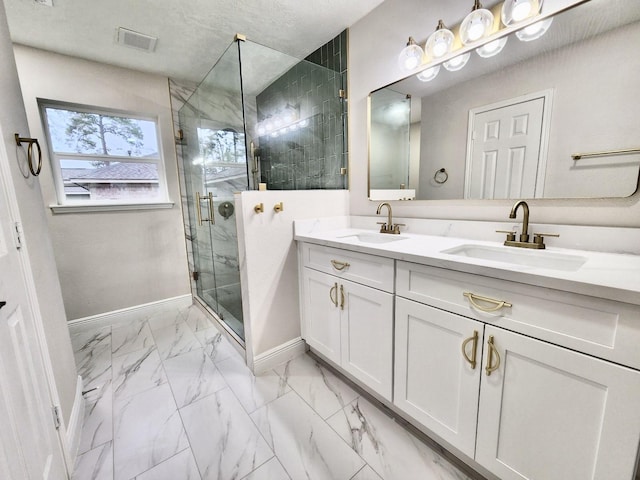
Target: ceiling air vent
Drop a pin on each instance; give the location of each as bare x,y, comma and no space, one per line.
132,39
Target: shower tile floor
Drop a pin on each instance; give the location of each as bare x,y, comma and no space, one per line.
173,400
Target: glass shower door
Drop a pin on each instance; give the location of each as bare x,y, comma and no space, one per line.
214,243
215,167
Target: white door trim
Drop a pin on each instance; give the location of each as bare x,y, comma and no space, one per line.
547,95
34,306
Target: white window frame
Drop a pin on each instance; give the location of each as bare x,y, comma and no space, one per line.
65,205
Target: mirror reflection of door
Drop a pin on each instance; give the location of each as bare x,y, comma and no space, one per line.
506,151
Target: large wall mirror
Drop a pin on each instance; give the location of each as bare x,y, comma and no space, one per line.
558,117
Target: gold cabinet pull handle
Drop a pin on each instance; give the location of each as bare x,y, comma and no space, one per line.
492,351
339,265
474,349
341,297
334,289
498,304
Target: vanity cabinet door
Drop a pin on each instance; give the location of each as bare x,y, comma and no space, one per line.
367,335
554,414
435,382
321,313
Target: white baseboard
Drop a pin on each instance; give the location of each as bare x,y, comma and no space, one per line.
278,355
76,421
125,314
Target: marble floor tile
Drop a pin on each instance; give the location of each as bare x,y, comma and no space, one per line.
97,428
272,470
87,340
215,345
224,441
96,464
391,450
192,376
164,318
195,318
136,372
317,385
147,431
175,339
307,447
253,392
92,353
130,338
366,473
181,466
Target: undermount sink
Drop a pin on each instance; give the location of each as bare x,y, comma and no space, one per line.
374,237
515,256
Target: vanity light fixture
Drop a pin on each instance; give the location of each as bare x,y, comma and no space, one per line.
534,31
439,42
457,63
476,25
282,122
492,48
515,11
411,56
428,74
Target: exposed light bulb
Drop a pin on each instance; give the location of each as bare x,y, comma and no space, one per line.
492,48
535,31
457,63
476,25
410,57
428,74
439,42
515,11
521,11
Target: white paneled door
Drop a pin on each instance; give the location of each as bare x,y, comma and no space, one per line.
505,150
29,445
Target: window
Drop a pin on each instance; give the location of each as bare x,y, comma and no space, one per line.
102,158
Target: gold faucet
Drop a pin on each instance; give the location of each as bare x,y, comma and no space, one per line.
388,227
524,236
538,238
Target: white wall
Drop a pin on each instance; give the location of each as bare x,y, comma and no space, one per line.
36,235
108,260
268,261
374,44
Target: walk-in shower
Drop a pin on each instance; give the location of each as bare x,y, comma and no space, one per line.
258,117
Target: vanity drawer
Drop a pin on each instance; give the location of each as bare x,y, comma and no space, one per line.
371,270
599,327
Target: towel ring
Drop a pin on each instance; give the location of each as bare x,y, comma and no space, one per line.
441,176
34,171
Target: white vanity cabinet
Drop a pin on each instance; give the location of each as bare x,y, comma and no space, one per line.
527,409
435,383
347,312
550,413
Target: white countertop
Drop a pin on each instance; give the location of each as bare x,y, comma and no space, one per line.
611,276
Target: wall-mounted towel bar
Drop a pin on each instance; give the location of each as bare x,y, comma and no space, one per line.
605,153
19,140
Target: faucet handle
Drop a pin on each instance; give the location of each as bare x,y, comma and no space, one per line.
511,235
396,227
539,237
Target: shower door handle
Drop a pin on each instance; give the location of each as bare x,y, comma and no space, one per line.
209,200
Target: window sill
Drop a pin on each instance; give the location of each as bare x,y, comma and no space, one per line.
113,207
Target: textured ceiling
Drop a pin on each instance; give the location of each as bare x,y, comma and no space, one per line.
192,34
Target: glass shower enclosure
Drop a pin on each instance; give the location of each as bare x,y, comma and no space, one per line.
258,117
